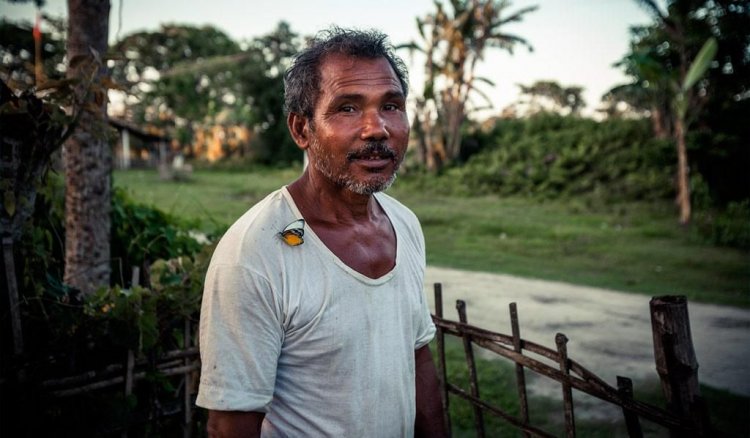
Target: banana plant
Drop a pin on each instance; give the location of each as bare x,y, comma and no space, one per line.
681,104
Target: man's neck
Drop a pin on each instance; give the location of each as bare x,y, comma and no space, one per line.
322,201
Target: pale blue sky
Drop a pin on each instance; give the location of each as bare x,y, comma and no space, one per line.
575,41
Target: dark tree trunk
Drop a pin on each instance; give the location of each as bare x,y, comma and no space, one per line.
87,155
683,173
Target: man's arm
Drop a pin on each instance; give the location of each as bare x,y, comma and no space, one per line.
429,420
231,424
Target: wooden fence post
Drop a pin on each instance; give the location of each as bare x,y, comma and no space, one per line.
676,363
625,389
562,354
473,378
13,302
520,376
442,371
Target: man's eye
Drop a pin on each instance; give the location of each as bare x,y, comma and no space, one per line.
391,107
346,108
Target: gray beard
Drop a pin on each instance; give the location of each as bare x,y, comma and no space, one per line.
371,188
323,165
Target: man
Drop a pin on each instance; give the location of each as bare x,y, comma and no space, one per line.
314,321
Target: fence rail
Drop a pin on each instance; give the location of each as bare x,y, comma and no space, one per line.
685,416
686,413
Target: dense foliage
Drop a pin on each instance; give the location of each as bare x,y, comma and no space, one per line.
184,79
17,51
719,106
550,156
67,333
143,234
616,160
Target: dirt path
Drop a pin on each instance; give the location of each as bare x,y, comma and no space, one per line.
609,331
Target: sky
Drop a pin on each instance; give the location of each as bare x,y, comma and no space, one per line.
576,42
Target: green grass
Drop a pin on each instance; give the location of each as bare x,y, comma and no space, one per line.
635,247
216,199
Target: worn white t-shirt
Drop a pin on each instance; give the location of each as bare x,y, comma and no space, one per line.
294,332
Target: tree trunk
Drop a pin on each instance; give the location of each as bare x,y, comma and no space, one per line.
419,135
657,123
87,154
683,182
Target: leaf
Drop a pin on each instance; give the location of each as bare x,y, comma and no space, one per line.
420,27
9,202
486,80
701,63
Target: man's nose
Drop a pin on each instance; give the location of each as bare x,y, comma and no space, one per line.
374,126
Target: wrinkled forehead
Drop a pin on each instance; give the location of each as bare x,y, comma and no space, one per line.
339,71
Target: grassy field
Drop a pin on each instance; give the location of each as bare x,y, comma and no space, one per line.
636,247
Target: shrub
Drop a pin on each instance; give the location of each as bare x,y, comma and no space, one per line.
142,234
727,227
549,156
67,334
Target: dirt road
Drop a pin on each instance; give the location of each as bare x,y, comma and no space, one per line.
609,331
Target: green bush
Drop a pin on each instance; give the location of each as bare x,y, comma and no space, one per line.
549,156
66,333
726,227
142,234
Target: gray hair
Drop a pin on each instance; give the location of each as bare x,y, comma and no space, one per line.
302,78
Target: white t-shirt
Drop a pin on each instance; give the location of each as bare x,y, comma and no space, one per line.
294,332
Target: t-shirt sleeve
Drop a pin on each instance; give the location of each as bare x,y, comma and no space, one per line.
240,339
425,328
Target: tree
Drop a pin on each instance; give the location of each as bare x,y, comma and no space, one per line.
629,100
549,95
681,105
183,78
87,155
172,73
17,52
650,92
668,61
263,90
454,41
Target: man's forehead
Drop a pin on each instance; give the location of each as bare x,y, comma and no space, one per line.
348,59
340,69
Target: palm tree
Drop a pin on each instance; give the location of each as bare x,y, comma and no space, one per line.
454,41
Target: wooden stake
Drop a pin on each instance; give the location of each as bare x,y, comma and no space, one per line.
13,302
442,371
520,376
562,350
676,363
625,388
473,380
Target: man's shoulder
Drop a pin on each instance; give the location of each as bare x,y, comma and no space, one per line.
257,230
394,207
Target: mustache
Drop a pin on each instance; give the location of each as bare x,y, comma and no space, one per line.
372,148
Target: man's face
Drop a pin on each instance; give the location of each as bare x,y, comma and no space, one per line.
359,132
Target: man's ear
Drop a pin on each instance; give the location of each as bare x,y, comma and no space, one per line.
299,127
